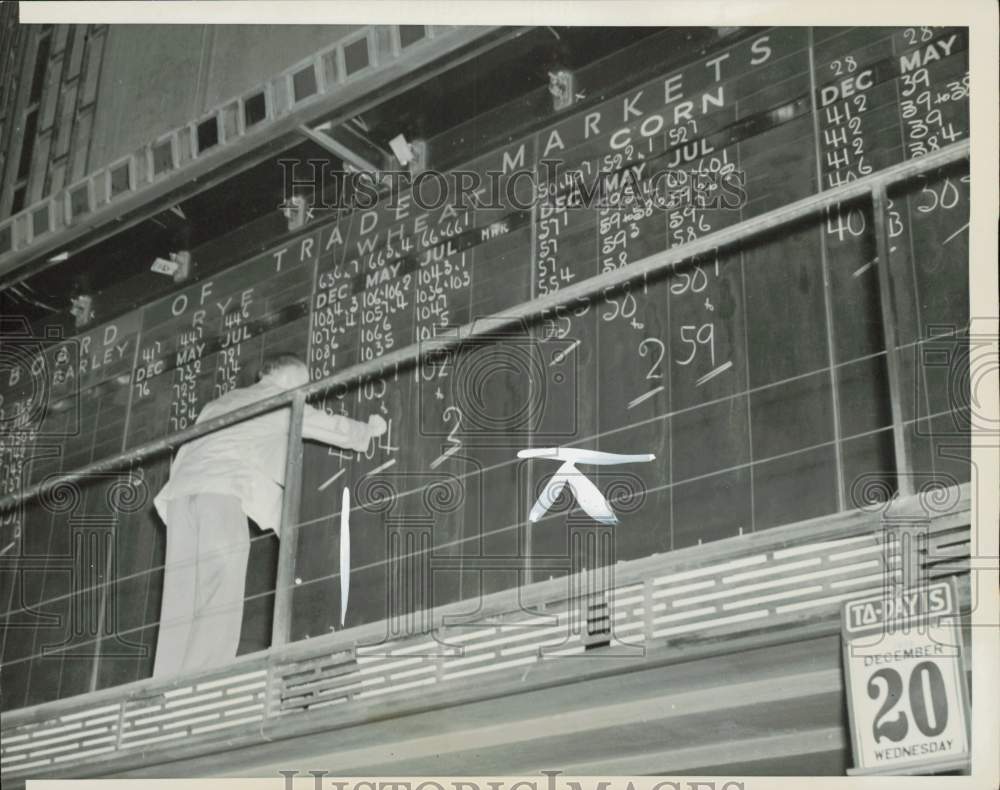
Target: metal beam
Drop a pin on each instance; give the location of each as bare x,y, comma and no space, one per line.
338,149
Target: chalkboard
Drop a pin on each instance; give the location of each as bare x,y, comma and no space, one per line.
756,375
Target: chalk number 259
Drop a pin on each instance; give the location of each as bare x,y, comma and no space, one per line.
927,696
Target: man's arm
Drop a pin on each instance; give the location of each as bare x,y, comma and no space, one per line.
340,431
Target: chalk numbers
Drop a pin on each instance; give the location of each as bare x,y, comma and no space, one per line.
846,65
945,195
694,281
926,697
451,415
918,35
926,103
653,348
846,223
700,338
550,275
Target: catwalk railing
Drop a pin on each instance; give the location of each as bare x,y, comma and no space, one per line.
646,605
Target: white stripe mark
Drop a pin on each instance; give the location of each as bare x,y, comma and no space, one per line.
444,456
382,468
327,484
557,358
953,235
713,373
861,270
644,397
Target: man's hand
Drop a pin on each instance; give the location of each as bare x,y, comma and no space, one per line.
377,425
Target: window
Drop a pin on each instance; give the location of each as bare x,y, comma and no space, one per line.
40,220
18,203
27,144
356,56
79,200
163,157
304,83
121,178
38,77
254,109
410,35
208,134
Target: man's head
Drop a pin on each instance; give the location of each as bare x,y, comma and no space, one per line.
286,370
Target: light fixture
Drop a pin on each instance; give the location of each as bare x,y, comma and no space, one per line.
561,87
296,211
409,154
402,150
178,265
82,309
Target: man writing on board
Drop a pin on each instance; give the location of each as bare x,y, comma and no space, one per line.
216,482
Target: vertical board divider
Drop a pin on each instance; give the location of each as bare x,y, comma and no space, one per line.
889,328
831,341
285,583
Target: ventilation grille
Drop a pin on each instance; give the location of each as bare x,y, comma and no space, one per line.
208,706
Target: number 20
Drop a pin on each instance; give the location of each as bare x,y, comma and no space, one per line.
925,682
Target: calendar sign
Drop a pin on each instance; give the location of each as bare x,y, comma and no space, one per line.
905,681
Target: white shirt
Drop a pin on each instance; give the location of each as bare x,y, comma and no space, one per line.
247,460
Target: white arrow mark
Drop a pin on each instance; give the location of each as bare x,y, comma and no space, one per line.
588,496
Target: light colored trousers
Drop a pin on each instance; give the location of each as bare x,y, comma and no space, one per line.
208,545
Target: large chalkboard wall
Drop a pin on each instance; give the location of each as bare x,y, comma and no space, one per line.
756,375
